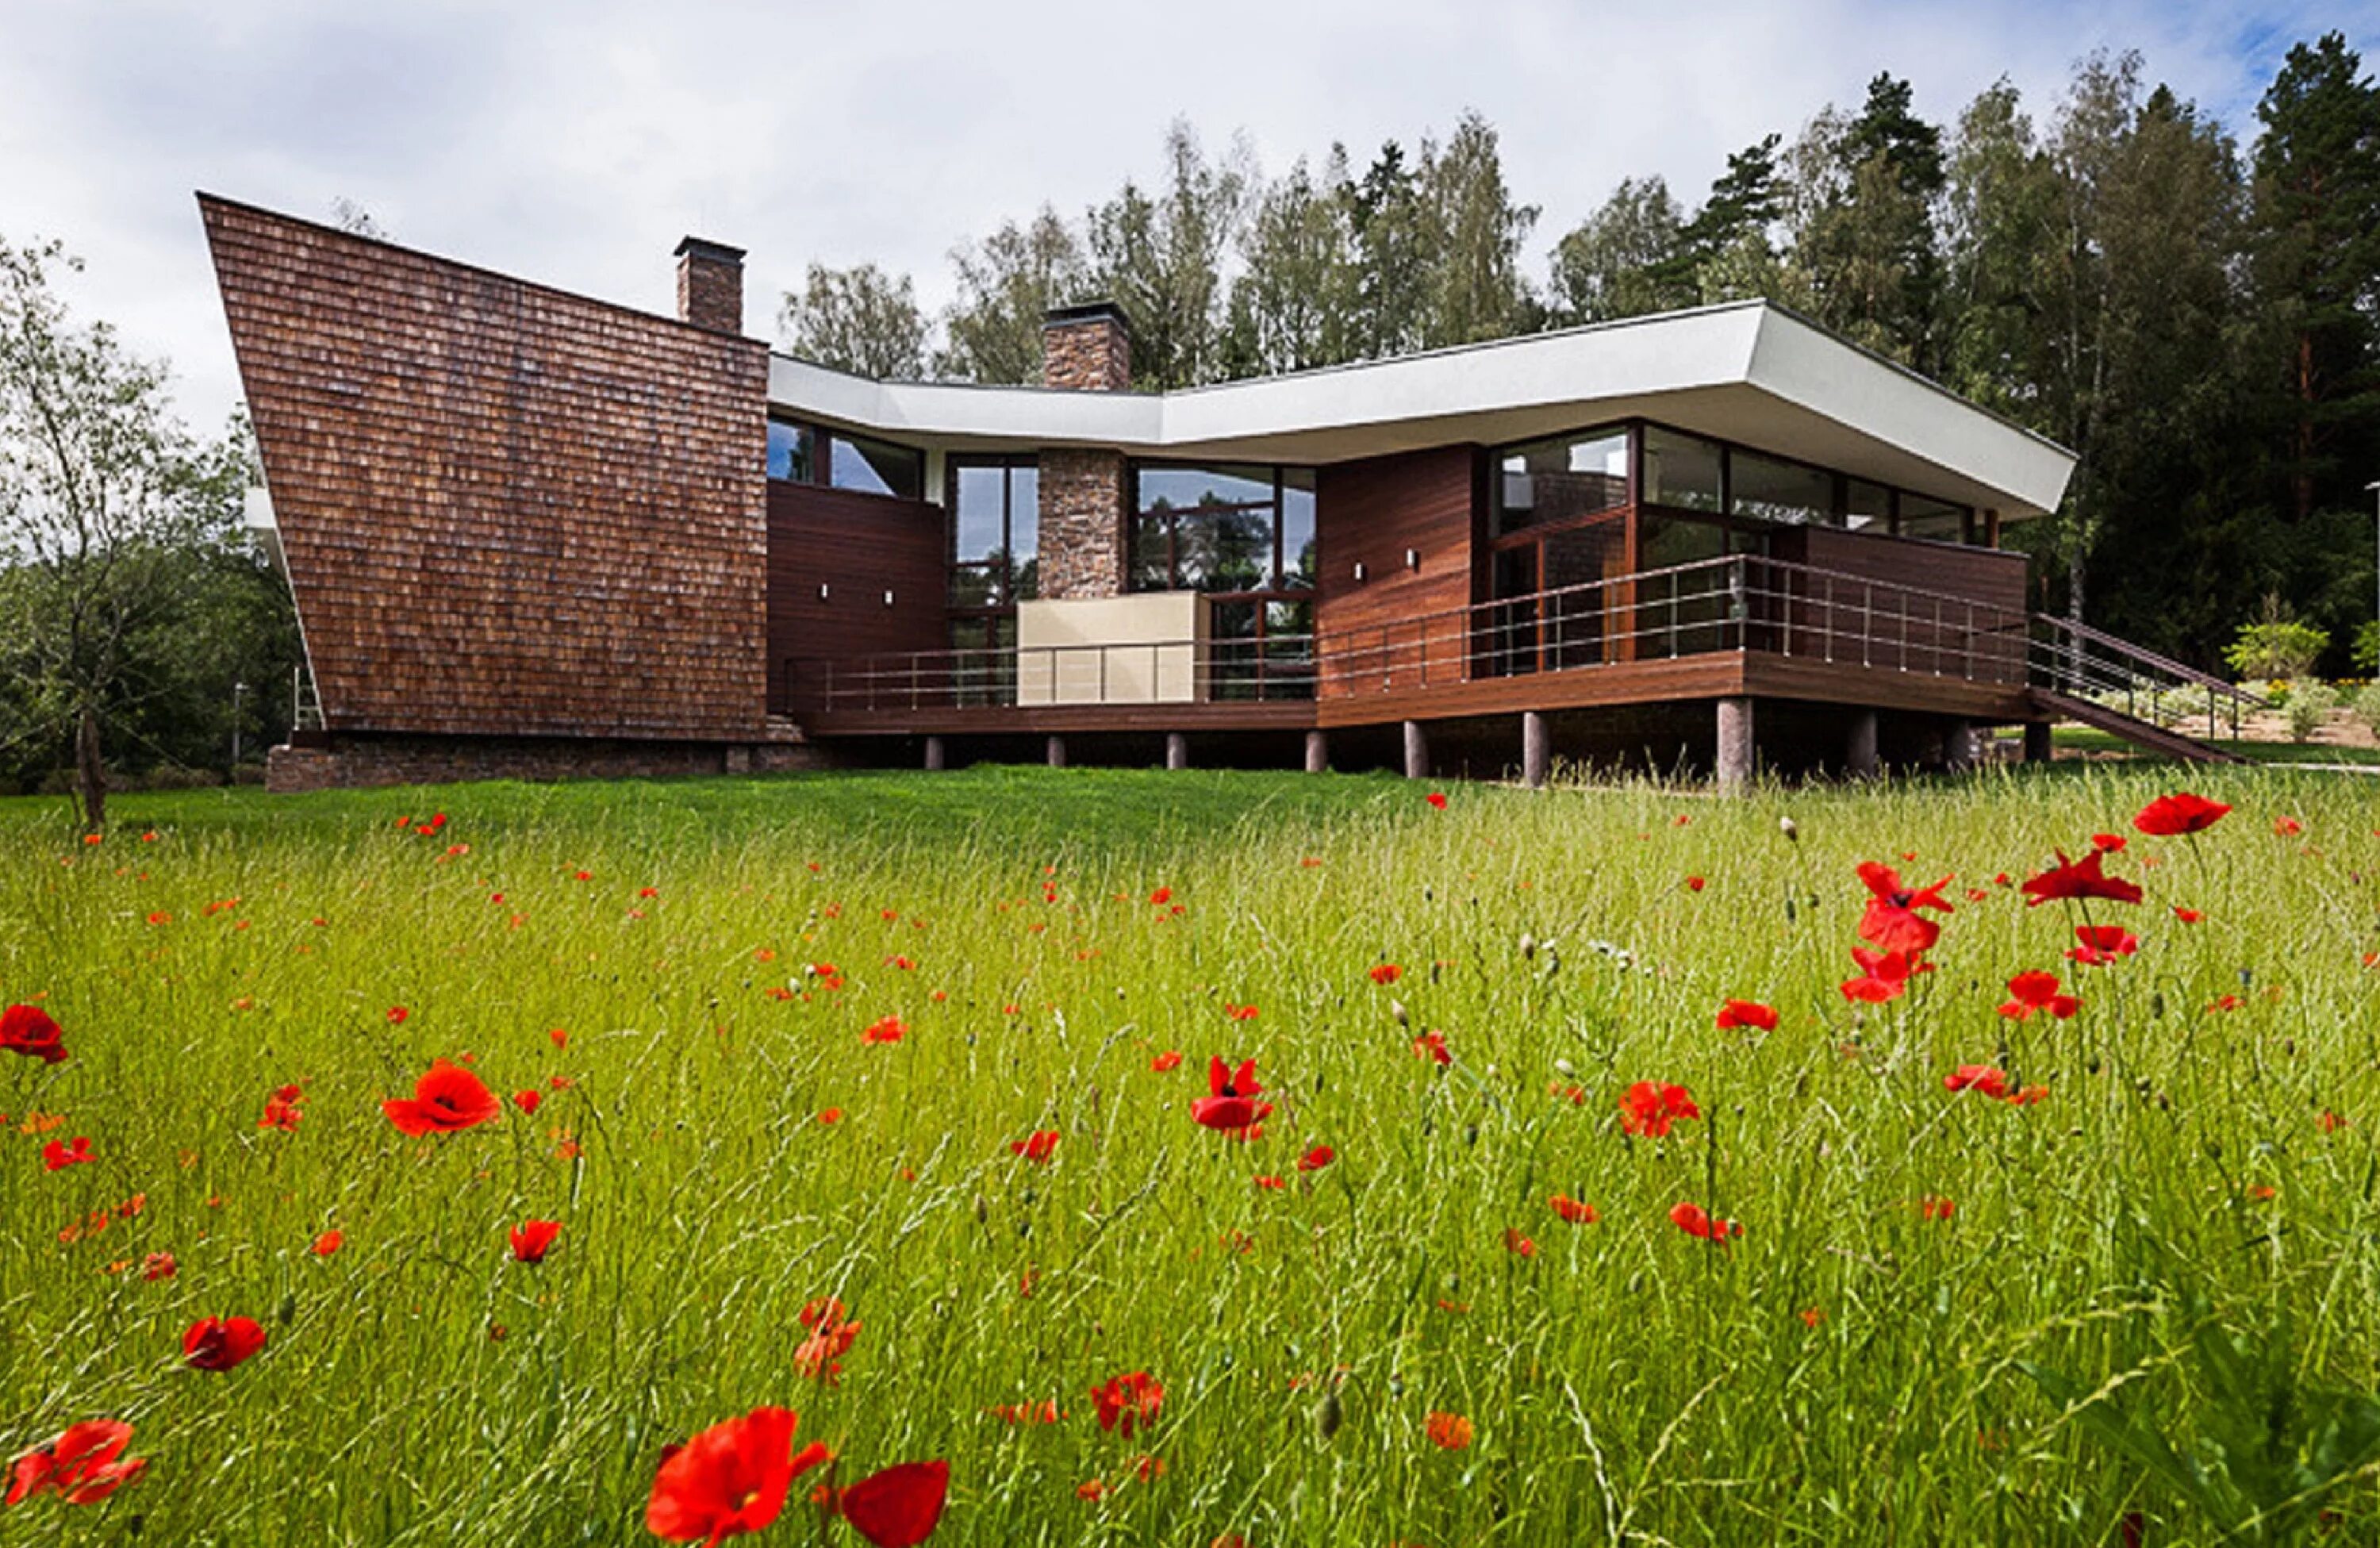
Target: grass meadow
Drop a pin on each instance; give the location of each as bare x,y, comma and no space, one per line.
2142,1307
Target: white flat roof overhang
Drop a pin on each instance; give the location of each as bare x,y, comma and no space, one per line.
1747,372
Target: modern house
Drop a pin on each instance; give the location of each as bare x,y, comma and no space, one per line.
531,533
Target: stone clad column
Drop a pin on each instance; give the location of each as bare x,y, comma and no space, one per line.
1416,750
1317,752
1177,751
1536,749
1084,348
1859,755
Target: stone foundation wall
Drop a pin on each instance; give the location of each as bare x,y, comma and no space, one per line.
351,763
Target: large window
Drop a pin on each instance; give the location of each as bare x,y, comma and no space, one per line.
800,453
995,527
1682,471
1230,528
1769,488
1546,483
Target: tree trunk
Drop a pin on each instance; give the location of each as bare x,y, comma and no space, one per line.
90,774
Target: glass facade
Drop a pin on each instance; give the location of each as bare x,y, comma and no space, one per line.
792,452
1546,483
995,531
800,453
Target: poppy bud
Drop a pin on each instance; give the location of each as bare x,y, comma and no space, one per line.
1563,1066
2156,1003
982,1210
1327,1415
1528,944
1397,1009
1635,1283
1785,826
288,1309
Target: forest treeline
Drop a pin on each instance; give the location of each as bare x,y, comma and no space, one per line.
2194,309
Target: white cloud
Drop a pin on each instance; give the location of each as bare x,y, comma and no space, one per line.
575,144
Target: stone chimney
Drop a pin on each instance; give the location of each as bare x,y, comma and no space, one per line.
1087,347
710,285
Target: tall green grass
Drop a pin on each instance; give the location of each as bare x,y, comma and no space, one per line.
1846,1370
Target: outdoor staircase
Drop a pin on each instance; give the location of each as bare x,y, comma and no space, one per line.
2080,673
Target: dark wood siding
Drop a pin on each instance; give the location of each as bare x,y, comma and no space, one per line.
1371,513
859,547
504,509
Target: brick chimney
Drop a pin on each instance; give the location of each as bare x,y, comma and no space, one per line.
1087,347
710,285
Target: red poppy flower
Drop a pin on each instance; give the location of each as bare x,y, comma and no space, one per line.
1447,1432
820,1357
159,1265
1695,883
1387,973
830,1116
2288,827
2188,916
1269,1184
1161,896
898,1507
2037,990
1518,1244
1573,1210
889,1029
1169,1059
1885,975
396,1015
220,1343
1649,1109
1432,1045
1934,1208
528,1101
1694,1221
1316,1159
1990,1079
281,1110
2329,1122
2082,878
1230,1101
56,1157
1746,1012
445,1099
2102,943
1038,1146
730,1480
531,1238
2107,843
1892,921
81,1465
34,1033
1128,1401
1436,798
329,1242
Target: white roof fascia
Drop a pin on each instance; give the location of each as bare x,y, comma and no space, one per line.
1745,371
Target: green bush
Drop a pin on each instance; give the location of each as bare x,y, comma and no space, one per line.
2276,646
2311,699
2367,647
2367,708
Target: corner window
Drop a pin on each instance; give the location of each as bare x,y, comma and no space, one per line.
1546,483
1937,519
1770,489
1681,471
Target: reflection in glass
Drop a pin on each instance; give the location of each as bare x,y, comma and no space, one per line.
1553,480
1297,570
1938,519
869,467
1865,504
982,514
1770,489
1681,471
791,456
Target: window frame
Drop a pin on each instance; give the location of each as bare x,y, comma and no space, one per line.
1276,582
822,438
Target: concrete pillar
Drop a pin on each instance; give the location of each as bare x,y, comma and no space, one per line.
934,755
1859,752
1536,751
1317,752
1734,745
2036,741
1177,751
1417,751
1057,752
1959,745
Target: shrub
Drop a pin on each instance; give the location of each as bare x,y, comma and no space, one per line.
2311,699
2276,646
2367,647
2367,708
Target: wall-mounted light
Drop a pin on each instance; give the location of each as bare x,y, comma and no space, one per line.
822,591
1413,558
887,599
1359,570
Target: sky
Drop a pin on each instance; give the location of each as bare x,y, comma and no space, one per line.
575,144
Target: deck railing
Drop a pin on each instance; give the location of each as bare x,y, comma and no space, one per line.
1739,603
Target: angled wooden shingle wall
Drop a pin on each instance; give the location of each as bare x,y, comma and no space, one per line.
505,510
